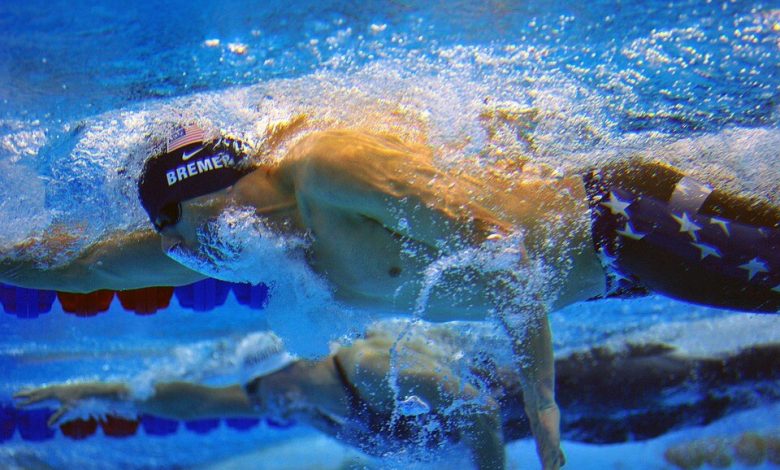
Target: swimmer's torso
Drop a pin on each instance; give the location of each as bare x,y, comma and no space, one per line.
385,223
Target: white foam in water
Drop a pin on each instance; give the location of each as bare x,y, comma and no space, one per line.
239,247
441,100
22,211
741,160
225,361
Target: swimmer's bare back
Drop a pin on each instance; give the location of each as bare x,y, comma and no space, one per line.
378,213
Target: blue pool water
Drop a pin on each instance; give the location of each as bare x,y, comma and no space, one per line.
694,82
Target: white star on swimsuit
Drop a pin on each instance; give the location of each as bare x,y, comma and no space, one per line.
687,225
707,250
617,276
722,223
616,205
606,258
628,231
753,267
615,279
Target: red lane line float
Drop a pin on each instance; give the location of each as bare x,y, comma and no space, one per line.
86,305
79,428
115,426
145,301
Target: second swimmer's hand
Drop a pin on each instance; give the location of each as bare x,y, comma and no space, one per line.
68,396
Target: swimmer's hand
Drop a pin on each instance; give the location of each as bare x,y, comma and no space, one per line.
69,396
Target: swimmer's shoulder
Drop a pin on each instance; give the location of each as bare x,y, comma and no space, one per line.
350,146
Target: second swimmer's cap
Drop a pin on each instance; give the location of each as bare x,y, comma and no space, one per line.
190,167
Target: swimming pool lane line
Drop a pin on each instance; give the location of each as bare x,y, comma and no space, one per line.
31,425
201,296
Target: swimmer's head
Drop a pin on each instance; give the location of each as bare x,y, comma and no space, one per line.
186,167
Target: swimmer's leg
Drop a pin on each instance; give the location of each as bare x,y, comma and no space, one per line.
529,333
665,183
680,237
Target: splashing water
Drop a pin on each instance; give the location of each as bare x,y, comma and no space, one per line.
238,246
474,105
230,360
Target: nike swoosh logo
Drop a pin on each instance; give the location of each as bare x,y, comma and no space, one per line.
186,156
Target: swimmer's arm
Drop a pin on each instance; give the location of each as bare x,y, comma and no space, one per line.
118,262
188,401
174,400
368,364
380,179
531,339
478,418
482,435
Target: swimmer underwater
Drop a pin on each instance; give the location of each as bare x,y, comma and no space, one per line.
377,212
442,400
344,395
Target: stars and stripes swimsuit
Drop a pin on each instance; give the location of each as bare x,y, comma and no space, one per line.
658,230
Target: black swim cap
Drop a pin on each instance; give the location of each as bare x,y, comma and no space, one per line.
190,167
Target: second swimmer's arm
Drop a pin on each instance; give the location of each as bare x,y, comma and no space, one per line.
187,401
121,261
478,418
173,400
482,434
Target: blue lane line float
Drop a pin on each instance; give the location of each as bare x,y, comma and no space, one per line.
26,303
156,426
242,424
202,426
204,295
32,424
7,422
253,296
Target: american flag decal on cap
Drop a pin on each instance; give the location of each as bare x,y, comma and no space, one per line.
185,136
